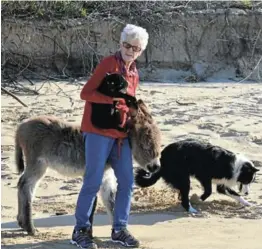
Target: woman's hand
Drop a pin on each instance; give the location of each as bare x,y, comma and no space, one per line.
120,105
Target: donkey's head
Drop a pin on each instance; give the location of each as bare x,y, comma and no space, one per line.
145,138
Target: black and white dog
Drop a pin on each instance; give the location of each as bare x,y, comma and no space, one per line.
207,163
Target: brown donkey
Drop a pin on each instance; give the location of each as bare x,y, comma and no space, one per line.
46,141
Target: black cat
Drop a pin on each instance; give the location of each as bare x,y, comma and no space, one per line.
107,116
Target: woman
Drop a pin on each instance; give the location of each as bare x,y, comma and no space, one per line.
102,144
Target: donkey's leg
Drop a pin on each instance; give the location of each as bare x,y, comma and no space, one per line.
26,188
21,201
19,216
108,192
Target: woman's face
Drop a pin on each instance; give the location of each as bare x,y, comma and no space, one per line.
130,50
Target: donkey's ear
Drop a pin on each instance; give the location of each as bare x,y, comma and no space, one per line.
140,102
143,106
144,109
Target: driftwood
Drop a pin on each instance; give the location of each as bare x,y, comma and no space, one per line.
12,95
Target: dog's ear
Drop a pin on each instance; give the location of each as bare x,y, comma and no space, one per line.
123,80
250,167
106,78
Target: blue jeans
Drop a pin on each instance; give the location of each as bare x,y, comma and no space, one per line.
99,149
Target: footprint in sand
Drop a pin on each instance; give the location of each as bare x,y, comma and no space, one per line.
165,129
51,178
4,167
43,185
257,164
166,112
6,177
176,121
23,116
198,134
257,140
6,207
76,180
211,126
68,187
152,92
180,137
234,133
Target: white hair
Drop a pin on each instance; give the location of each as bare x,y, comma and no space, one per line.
133,32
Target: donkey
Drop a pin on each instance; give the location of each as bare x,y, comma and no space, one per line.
46,141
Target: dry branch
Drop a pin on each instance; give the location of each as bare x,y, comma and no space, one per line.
247,77
12,95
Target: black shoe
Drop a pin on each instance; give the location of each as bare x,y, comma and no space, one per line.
83,239
125,238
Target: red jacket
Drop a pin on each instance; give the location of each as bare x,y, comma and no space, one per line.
110,64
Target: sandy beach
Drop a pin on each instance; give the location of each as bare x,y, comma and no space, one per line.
229,115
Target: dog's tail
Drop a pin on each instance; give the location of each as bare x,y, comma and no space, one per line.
19,157
144,179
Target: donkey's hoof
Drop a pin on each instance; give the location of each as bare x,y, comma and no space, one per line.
20,223
31,231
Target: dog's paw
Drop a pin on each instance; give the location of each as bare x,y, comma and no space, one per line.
192,210
245,203
248,204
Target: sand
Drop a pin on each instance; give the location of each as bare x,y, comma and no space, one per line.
229,115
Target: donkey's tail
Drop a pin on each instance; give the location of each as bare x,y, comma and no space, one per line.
108,191
144,179
19,157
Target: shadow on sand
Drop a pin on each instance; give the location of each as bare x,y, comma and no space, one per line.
10,231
